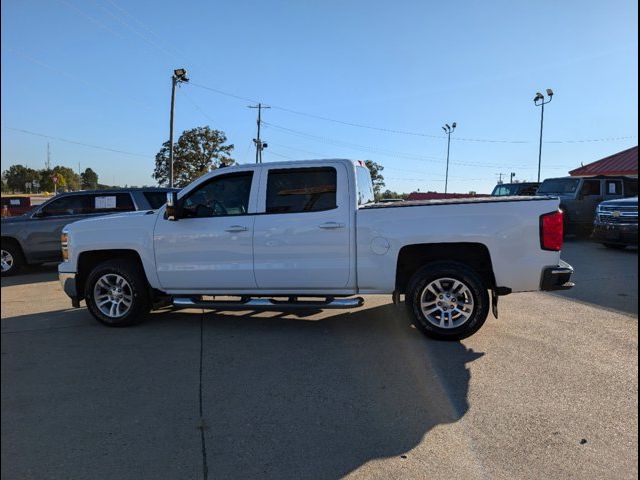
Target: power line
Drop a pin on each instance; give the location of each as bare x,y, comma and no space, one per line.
136,32
90,86
98,147
405,132
90,18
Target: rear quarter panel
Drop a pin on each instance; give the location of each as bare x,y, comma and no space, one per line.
509,229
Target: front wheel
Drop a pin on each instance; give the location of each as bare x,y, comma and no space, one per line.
447,300
117,293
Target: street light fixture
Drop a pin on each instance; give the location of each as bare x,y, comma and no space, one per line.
179,76
448,129
539,101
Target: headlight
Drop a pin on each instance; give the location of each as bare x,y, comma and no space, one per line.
64,243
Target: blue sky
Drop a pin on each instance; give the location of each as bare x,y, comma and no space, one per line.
98,72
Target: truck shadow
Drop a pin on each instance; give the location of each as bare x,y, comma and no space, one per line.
32,274
290,398
282,397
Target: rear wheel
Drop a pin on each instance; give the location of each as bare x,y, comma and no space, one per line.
447,300
11,258
117,293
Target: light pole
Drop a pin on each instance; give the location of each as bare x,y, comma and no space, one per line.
513,175
539,101
448,129
179,76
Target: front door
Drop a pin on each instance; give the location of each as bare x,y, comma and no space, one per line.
302,240
210,247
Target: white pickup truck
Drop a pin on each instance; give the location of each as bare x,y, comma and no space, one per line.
307,234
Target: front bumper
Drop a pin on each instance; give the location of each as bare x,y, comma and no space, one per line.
68,282
557,278
621,234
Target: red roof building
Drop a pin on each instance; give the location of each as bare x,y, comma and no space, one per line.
621,163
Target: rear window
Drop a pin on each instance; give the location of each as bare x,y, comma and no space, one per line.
559,185
301,190
156,199
365,186
504,190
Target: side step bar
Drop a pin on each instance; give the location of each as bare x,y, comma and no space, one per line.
269,304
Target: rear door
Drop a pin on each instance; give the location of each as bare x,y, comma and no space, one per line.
302,233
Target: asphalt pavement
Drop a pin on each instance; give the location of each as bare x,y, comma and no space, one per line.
548,390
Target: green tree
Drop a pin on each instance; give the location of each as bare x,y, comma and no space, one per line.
71,178
16,176
89,179
376,176
196,152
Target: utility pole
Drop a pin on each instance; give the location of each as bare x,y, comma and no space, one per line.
500,178
260,145
48,164
448,130
179,76
539,101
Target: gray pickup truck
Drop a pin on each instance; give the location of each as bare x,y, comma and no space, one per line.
579,197
34,237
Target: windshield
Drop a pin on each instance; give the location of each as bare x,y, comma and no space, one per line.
559,185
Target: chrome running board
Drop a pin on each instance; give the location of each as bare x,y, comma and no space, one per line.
268,304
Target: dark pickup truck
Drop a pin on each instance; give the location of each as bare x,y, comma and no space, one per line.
580,196
34,237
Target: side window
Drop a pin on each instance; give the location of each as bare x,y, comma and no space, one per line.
529,190
590,187
614,187
68,205
630,188
222,196
110,203
301,190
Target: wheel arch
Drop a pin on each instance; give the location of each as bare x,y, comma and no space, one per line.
14,240
88,260
413,257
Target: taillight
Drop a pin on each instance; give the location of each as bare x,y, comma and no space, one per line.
552,231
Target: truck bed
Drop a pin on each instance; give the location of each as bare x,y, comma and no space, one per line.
455,201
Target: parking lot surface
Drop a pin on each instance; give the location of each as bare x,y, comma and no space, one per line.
548,390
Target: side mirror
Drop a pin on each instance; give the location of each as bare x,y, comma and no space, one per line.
172,211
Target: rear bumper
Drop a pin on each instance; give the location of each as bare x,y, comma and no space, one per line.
557,278
68,282
621,234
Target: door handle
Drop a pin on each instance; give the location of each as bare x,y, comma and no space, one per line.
235,229
331,225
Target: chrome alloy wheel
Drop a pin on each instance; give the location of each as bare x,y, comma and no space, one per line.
7,261
447,303
113,295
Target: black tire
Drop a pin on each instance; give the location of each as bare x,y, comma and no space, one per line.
138,290
14,252
615,246
456,271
